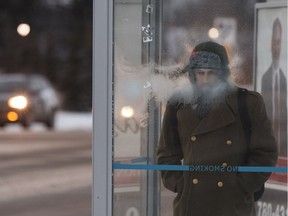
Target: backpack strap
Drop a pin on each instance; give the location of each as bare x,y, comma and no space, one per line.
246,124
243,112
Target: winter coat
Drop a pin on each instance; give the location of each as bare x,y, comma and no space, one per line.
219,140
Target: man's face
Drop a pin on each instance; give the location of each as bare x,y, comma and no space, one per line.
208,85
276,43
206,77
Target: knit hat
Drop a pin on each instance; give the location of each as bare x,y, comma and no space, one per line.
209,55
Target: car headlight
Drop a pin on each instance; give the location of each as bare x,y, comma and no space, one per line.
18,102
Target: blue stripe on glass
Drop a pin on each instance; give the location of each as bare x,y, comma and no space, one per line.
151,167
187,168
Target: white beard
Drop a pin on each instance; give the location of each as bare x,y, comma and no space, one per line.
208,95
211,93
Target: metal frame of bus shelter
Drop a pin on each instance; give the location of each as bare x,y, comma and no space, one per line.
102,107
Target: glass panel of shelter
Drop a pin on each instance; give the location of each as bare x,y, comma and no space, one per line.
136,116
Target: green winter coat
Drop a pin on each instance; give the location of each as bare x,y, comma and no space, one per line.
219,140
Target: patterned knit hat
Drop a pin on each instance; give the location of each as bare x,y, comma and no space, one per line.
209,55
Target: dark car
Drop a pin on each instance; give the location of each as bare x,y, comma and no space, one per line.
26,99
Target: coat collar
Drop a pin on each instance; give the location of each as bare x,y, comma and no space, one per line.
220,116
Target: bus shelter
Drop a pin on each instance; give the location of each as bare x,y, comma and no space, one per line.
139,50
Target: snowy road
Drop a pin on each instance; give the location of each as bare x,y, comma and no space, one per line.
45,173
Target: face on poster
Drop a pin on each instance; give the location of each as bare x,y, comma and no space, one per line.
265,19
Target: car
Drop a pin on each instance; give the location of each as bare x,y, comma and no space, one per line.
26,99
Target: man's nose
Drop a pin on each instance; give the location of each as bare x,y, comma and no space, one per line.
206,78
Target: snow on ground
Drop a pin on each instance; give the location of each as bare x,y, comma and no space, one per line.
65,121
126,144
73,121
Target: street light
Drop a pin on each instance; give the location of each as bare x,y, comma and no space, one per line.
127,111
213,33
23,29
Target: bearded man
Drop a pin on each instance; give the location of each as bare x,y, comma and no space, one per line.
207,130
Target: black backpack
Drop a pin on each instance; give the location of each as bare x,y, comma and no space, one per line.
246,124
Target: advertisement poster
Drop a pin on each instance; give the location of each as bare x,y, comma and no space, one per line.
270,77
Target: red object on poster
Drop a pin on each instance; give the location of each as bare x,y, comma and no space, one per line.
280,177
